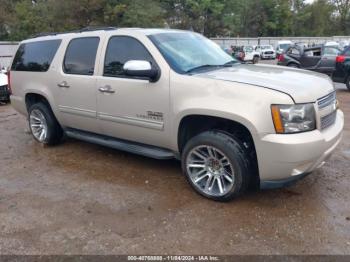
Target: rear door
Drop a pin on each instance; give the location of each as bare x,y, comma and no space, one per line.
327,64
76,84
311,58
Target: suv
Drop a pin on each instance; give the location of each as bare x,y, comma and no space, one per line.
251,55
175,94
342,68
4,88
318,58
266,51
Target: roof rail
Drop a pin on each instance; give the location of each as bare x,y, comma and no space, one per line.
97,28
85,29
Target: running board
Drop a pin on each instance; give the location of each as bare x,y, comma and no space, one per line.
131,147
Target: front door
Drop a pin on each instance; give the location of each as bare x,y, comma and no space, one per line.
131,108
76,85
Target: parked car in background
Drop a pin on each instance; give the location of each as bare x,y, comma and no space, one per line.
250,55
238,53
266,51
342,68
3,70
4,88
333,44
344,44
319,58
282,46
176,94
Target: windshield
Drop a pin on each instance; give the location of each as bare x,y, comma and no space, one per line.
187,51
284,46
264,47
248,49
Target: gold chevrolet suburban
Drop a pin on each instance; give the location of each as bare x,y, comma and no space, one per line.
175,94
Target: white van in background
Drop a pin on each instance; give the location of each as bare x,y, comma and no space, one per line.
282,46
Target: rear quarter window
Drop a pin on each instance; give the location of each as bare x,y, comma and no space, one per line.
35,56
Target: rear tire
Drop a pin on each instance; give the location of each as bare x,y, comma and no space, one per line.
348,83
43,124
216,165
255,59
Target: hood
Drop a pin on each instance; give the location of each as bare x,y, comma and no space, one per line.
303,86
3,79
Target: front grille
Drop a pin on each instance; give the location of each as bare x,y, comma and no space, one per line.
328,120
326,104
268,53
327,100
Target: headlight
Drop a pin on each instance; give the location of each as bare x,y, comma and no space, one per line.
293,118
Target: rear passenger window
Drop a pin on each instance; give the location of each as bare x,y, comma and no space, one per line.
120,50
80,56
35,56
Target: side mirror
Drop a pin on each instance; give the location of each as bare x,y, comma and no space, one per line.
142,69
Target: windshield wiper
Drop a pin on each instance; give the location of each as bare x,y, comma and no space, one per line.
200,67
230,63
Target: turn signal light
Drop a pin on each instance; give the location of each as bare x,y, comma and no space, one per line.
277,120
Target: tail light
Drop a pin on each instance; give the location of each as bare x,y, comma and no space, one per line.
9,81
340,59
281,58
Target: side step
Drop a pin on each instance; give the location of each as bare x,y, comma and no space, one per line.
131,147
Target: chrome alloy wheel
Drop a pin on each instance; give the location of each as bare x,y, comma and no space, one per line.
210,170
38,125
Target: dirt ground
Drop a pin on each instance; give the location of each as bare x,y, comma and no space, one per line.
79,198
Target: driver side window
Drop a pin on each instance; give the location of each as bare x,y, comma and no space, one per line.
120,50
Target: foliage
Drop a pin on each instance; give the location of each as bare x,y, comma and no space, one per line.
20,19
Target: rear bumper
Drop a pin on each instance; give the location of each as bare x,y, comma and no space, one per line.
282,159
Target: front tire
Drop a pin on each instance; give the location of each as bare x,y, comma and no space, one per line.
255,59
216,165
43,124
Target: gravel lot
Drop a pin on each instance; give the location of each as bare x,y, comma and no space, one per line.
79,198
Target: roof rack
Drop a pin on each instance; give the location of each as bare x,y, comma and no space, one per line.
85,29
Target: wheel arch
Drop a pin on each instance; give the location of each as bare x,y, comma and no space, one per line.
32,97
188,125
294,62
193,124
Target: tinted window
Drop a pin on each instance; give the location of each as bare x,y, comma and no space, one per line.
331,51
35,56
347,52
80,56
120,50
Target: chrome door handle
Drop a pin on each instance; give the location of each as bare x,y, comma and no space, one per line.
63,84
106,89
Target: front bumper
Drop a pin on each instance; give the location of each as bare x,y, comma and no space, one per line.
4,93
270,56
285,158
